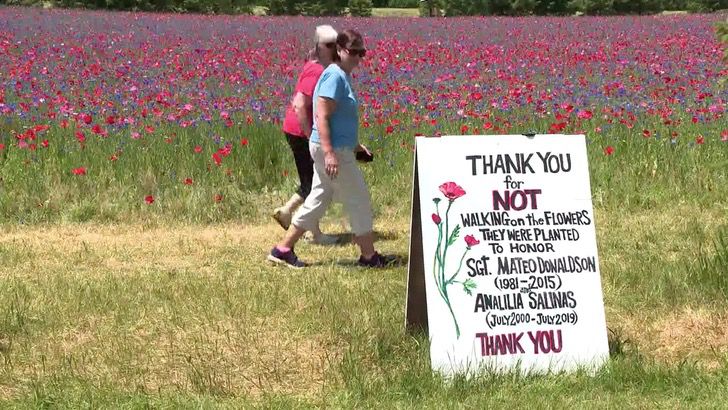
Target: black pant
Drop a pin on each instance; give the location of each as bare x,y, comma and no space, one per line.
304,162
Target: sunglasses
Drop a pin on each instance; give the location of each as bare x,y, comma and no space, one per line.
361,52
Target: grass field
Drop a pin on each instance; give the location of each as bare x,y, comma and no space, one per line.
393,12
179,315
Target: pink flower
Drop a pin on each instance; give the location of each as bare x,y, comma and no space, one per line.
149,199
436,219
451,190
471,241
585,114
609,150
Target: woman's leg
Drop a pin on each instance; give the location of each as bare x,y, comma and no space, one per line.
304,167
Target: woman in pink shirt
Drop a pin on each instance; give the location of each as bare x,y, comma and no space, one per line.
297,127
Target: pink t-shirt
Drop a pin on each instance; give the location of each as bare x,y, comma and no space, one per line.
306,84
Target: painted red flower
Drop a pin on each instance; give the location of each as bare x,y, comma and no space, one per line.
44,144
87,119
198,149
188,181
464,129
436,219
699,139
244,142
390,129
451,190
218,198
79,171
646,133
585,114
217,158
471,241
149,199
80,136
608,150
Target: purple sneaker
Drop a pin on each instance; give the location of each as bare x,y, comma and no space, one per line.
377,261
286,258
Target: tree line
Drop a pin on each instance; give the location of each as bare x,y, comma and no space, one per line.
364,7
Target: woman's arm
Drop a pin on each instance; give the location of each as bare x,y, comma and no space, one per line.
301,106
325,107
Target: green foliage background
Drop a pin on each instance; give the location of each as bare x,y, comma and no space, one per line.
364,7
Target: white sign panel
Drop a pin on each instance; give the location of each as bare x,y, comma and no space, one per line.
504,237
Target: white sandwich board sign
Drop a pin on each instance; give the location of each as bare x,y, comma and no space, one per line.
504,271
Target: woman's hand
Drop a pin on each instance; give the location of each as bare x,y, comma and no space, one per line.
331,163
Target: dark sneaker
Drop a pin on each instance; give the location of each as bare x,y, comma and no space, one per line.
377,261
286,258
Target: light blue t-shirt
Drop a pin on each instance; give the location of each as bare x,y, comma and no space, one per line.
334,83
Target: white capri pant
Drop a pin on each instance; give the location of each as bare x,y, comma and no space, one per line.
348,186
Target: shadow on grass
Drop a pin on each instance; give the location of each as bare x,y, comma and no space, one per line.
399,261
348,237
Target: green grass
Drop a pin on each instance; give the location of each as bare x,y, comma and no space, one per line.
171,314
394,12
109,302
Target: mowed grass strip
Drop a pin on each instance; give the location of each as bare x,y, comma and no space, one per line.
188,316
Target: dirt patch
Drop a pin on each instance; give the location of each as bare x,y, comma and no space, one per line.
221,358
689,335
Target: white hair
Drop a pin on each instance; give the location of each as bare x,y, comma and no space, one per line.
325,34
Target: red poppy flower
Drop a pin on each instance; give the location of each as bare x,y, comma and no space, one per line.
464,129
699,139
87,119
451,190
188,181
436,219
44,144
217,158
609,150
244,142
218,198
471,241
149,199
198,149
79,171
646,133
585,115
390,129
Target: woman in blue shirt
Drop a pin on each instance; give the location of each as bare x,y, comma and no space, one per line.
333,144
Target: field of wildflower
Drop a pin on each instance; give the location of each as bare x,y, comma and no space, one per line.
141,154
